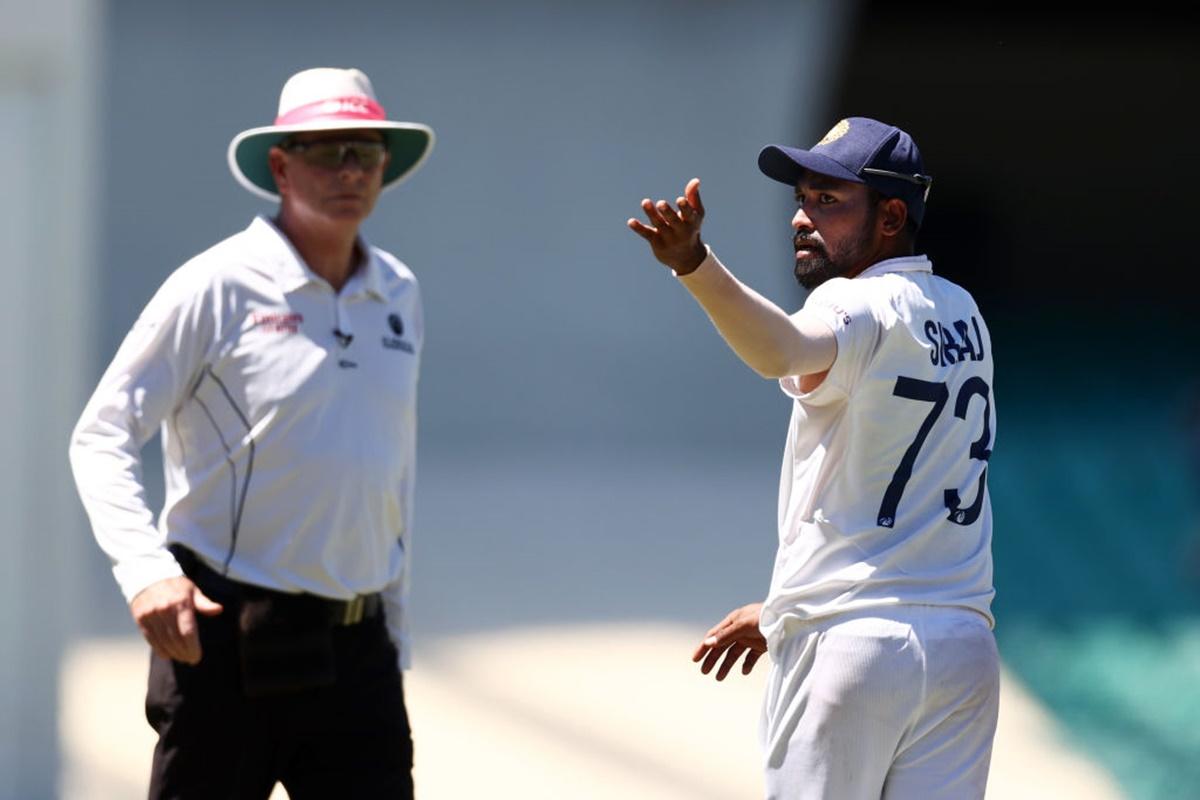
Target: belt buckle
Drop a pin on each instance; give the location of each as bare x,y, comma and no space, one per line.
353,613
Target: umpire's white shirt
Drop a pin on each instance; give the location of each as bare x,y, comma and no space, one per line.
288,416
904,418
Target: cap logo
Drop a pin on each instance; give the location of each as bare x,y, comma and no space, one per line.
333,108
836,132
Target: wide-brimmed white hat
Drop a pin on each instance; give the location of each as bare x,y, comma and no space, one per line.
327,99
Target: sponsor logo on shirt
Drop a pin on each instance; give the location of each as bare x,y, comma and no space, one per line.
396,342
277,321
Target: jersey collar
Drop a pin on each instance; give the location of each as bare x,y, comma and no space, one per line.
902,264
291,273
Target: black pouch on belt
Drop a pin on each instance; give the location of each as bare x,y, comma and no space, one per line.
286,643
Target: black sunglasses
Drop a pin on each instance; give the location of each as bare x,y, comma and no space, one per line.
924,181
333,153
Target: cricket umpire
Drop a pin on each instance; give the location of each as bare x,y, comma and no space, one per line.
884,677
281,365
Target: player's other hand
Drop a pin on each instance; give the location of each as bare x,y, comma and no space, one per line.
674,231
736,634
165,612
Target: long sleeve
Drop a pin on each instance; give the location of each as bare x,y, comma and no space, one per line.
769,341
395,594
149,374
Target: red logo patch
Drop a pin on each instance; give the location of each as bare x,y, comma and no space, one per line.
277,321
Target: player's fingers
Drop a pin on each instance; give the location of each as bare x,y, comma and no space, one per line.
721,635
644,231
718,637
720,632
751,659
669,216
652,214
731,657
686,211
726,623
710,661
692,193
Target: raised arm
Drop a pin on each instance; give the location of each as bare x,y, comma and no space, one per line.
769,341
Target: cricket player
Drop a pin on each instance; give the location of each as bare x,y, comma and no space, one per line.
884,677
281,365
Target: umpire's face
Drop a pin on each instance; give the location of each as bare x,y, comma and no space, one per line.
839,230
322,182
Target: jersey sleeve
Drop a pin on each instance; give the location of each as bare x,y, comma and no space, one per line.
151,372
396,593
856,328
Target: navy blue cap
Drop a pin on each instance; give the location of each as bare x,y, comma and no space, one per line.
859,150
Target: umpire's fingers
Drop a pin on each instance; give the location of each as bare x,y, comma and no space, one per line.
160,633
189,645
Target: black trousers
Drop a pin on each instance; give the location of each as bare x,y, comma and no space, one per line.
347,740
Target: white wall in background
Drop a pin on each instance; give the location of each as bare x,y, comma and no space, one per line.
47,136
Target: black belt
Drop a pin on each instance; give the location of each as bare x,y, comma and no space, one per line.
226,590
355,610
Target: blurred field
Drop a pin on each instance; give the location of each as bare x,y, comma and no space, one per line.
577,711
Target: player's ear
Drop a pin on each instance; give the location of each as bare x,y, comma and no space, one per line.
893,215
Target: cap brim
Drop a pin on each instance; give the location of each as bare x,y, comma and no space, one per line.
785,164
409,144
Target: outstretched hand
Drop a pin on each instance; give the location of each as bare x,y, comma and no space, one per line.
674,233
736,634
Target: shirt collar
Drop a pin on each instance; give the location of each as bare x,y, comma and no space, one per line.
371,274
902,264
291,273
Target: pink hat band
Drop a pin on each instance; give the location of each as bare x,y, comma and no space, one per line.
334,108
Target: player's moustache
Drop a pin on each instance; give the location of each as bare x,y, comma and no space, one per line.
801,240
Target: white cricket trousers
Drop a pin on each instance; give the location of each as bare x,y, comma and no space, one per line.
898,703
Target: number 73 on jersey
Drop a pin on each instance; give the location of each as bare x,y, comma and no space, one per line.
937,394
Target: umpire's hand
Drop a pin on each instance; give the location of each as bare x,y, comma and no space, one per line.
674,234
736,634
166,611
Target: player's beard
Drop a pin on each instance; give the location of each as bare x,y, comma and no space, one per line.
821,265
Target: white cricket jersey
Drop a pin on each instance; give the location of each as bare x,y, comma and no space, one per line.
288,417
882,496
